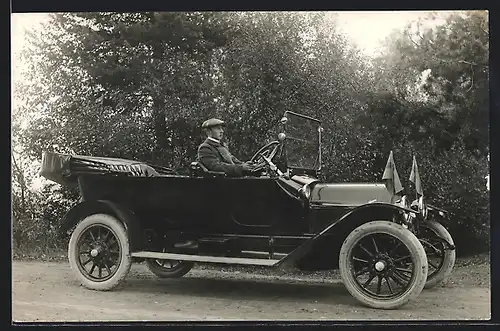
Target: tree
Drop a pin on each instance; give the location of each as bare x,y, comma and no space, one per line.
453,56
436,107
106,75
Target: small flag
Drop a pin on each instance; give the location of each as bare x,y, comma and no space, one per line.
391,177
415,177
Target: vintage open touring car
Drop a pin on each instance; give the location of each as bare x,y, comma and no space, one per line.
387,250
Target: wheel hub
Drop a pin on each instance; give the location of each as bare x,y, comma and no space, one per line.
380,266
98,252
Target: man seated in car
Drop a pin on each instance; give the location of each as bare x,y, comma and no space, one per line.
215,156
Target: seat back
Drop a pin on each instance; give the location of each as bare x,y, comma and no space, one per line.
198,169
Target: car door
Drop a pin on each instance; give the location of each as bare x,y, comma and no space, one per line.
251,202
258,205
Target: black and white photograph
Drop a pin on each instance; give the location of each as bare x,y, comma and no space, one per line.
175,166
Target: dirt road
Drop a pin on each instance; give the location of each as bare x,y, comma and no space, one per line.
48,291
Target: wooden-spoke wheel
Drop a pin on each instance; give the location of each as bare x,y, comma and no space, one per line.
440,259
383,265
99,253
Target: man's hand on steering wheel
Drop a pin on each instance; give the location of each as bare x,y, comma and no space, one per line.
268,151
248,166
271,166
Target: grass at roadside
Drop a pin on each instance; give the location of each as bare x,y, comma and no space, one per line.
39,254
477,259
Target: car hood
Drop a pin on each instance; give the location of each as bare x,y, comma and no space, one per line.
349,194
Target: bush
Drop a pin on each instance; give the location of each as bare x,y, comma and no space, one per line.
453,176
36,220
456,181
452,179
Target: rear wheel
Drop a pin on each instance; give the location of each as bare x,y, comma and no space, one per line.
383,265
441,260
99,252
169,268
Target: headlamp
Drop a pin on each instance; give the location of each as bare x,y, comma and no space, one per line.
306,191
422,207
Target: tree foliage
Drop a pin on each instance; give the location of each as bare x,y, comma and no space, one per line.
138,85
453,60
431,100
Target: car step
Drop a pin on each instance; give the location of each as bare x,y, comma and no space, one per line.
205,258
214,240
262,254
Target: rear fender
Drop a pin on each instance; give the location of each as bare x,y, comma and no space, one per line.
339,230
87,208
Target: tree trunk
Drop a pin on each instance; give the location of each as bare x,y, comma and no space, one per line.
160,153
22,181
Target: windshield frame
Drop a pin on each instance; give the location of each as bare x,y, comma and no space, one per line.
316,171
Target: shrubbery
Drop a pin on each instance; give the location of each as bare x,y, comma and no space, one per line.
454,182
36,220
452,175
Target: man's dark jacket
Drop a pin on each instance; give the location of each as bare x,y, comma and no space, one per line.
216,157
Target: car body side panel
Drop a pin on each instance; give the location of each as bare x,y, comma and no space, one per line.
336,229
321,217
158,199
248,205
123,214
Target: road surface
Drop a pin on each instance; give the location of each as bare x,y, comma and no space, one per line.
48,291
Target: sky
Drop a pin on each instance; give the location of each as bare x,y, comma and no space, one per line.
367,29
22,21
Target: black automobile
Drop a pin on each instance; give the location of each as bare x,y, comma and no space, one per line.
284,216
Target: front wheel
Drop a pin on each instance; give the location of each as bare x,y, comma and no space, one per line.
383,265
440,259
99,252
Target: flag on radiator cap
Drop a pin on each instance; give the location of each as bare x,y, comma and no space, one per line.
415,177
391,178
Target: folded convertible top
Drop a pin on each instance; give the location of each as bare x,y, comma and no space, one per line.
64,168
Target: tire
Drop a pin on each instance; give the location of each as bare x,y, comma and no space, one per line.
388,261
176,269
105,236
438,270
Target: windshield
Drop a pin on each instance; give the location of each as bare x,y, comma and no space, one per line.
303,142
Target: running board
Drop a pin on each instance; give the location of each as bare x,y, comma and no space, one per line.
203,258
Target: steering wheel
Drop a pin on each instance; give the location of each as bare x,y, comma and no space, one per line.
265,154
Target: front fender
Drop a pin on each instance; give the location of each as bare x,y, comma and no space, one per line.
87,208
341,227
435,208
437,214
375,208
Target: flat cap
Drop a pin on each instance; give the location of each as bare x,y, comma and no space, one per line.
212,122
